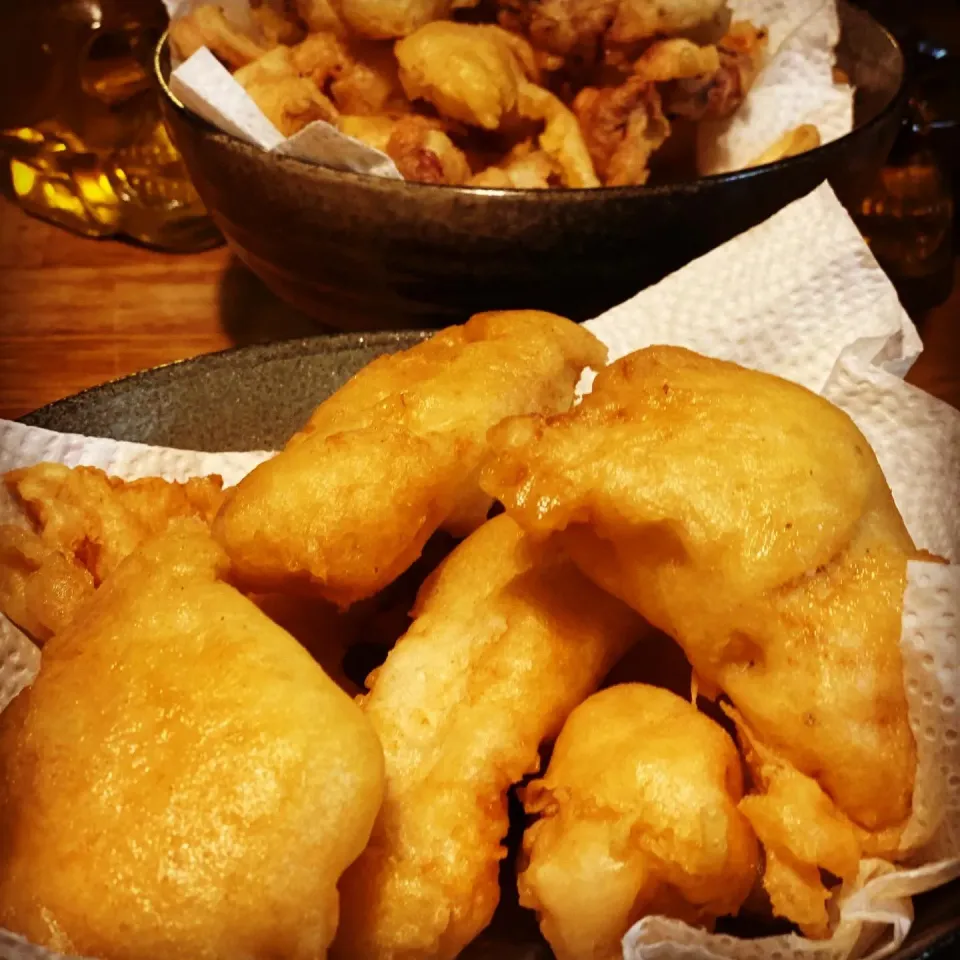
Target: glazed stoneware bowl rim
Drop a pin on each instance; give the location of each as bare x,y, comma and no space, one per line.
895,103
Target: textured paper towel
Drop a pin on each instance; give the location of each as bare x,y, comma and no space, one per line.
802,297
795,87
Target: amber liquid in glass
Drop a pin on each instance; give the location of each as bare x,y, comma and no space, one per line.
80,124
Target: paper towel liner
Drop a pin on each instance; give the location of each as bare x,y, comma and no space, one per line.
796,87
802,297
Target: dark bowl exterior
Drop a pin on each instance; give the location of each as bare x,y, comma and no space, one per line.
359,252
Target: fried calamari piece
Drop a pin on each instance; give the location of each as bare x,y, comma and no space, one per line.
98,520
181,780
321,16
418,146
638,817
717,94
802,833
277,21
288,99
392,455
562,138
586,28
623,127
749,519
524,168
369,82
206,26
676,59
41,588
506,641
470,72
385,19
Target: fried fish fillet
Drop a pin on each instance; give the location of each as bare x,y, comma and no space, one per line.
182,780
86,523
507,640
638,817
393,455
749,519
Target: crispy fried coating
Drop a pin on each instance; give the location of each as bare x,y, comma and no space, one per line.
393,454
98,520
288,99
277,21
798,140
418,146
470,72
41,588
506,641
749,519
206,26
623,127
524,168
638,817
802,833
181,780
716,94
585,28
321,16
384,19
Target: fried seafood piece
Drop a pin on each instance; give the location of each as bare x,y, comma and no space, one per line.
277,21
482,75
84,524
524,168
802,833
393,455
181,780
715,94
793,142
206,26
418,146
288,99
507,639
98,520
41,588
747,518
470,72
622,127
321,16
638,817
586,28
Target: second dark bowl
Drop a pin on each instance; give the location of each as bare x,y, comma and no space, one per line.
360,252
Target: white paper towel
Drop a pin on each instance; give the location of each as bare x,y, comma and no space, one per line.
796,86
802,297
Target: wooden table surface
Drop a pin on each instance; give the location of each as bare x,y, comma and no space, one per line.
75,312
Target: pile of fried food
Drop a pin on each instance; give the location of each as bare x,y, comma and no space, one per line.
196,773
525,94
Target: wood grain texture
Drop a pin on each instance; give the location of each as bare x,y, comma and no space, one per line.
76,312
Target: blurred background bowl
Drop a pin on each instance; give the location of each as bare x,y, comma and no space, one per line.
358,252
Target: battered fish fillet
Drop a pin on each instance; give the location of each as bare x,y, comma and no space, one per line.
749,519
181,781
638,817
507,640
394,455
85,524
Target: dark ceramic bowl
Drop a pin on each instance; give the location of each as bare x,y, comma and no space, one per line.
363,253
255,398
